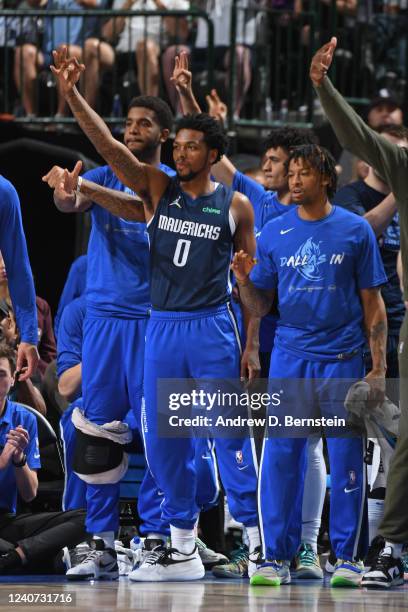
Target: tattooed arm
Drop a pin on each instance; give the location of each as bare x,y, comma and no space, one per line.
147,181
375,319
120,204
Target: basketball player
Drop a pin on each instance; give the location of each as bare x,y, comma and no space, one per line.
190,319
326,266
117,305
269,203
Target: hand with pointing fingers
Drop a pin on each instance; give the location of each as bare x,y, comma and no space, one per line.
63,182
67,70
321,62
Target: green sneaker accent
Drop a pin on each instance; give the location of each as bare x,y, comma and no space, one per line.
258,580
340,581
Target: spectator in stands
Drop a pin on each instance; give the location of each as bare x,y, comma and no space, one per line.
144,36
46,341
20,279
383,109
24,391
29,540
220,13
78,33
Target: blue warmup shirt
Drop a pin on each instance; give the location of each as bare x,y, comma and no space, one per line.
266,207
69,346
14,250
118,257
74,287
359,198
14,415
190,239
318,268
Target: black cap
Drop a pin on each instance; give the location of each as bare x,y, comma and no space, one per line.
384,97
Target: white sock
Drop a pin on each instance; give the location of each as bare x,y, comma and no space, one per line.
314,492
253,537
182,539
375,515
396,549
108,537
157,536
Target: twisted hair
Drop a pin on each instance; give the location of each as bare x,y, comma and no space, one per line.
321,160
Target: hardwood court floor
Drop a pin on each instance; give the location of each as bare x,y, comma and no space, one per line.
208,595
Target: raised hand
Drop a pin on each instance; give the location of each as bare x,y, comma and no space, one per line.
216,107
63,182
67,70
321,62
182,77
242,265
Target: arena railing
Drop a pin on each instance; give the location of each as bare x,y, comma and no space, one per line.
117,86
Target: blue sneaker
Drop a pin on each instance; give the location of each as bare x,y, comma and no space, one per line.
347,573
271,573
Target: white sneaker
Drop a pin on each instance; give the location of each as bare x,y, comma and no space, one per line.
209,557
254,561
271,573
99,564
168,564
74,556
347,573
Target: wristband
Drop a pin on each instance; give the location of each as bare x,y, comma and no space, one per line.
79,183
21,463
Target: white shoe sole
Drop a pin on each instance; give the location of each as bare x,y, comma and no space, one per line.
374,584
138,576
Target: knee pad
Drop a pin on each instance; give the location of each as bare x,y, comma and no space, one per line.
98,460
98,455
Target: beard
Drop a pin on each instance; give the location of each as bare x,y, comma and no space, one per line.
147,150
185,178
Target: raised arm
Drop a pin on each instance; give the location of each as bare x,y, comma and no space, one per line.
147,181
389,160
73,196
381,215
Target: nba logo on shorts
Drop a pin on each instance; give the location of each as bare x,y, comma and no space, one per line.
352,477
239,457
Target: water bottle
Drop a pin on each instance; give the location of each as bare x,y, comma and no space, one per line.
284,111
136,543
268,110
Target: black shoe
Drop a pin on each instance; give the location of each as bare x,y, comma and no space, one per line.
386,571
376,547
10,562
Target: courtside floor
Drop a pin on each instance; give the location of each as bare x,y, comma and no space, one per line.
207,595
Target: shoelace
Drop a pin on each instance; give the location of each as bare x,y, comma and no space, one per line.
93,554
157,554
240,555
307,556
381,563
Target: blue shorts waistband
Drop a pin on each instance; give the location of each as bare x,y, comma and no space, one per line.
96,313
178,315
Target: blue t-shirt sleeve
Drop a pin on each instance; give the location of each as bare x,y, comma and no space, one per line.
264,274
13,247
32,451
96,175
69,347
369,266
74,287
253,190
349,198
